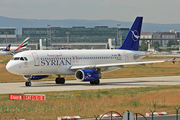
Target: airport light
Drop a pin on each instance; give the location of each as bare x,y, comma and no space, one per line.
119,37
118,26
6,33
179,44
48,34
67,38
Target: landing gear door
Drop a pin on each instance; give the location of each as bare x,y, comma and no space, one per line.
36,59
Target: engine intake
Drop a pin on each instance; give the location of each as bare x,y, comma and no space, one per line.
35,77
87,75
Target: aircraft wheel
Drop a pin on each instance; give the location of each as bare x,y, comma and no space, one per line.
28,83
96,82
58,81
92,82
62,80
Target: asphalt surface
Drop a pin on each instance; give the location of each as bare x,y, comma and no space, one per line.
44,86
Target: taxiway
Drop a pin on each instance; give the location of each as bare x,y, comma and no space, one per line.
45,86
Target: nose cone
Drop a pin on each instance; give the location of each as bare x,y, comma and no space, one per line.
10,67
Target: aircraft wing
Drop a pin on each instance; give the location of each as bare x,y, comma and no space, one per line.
121,65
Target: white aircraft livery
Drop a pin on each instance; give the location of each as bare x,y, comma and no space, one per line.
86,65
6,50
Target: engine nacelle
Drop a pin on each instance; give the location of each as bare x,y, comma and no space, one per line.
35,77
87,75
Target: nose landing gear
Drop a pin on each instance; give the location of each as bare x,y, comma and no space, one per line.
28,77
28,83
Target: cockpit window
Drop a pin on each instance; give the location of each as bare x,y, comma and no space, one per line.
22,58
12,58
16,58
25,59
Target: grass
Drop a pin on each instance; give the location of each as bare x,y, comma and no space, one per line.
94,102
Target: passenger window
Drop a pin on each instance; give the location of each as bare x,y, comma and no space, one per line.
22,58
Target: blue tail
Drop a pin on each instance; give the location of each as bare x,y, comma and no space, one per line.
132,39
7,48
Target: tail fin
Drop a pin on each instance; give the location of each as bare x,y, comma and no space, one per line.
23,44
7,48
132,39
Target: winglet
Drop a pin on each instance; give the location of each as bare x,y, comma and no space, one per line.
23,44
7,48
132,39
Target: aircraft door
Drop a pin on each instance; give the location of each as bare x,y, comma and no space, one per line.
126,56
36,59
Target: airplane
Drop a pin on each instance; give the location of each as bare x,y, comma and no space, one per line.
6,50
86,65
21,47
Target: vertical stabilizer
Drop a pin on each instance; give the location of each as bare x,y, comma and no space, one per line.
132,39
23,44
7,48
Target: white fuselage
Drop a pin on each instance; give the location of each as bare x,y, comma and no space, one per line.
12,49
47,62
4,52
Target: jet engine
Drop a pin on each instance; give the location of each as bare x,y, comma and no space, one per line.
87,75
35,77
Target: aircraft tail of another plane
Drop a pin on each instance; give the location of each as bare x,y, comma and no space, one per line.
7,48
132,39
23,44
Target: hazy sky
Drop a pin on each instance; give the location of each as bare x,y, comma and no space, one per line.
153,11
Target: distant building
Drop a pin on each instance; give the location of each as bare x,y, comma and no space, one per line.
161,37
177,33
9,33
146,35
80,37
166,35
76,37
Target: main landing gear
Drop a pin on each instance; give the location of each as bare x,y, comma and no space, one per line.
96,82
60,80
